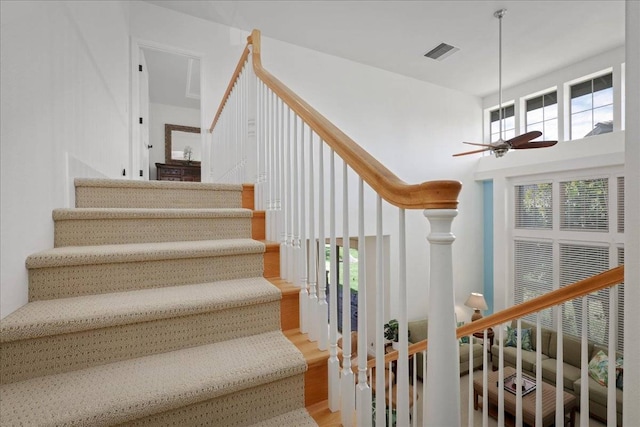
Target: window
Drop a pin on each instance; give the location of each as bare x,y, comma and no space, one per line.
561,235
533,206
592,107
542,115
584,205
508,123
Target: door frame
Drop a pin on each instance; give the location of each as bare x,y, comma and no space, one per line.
134,133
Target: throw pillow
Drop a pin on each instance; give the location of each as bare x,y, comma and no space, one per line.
599,368
462,340
512,338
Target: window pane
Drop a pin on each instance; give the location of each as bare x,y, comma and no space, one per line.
551,98
584,205
494,116
495,128
577,262
534,103
603,82
494,137
509,111
603,97
533,206
581,89
510,123
509,134
534,116
581,124
533,265
550,111
604,115
582,103
551,130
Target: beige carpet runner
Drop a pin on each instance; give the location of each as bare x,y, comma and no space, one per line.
151,310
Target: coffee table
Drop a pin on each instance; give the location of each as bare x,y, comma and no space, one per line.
528,401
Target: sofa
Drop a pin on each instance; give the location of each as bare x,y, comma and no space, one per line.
571,348
418,331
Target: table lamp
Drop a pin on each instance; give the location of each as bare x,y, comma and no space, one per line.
477,302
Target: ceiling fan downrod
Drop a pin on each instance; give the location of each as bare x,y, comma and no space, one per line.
499,14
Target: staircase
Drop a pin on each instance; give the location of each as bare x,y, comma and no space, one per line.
154,308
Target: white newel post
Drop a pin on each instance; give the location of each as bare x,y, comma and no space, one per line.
443,370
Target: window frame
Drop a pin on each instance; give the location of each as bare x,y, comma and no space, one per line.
570,113
612,239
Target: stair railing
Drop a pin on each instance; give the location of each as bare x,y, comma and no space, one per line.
293,143
579,291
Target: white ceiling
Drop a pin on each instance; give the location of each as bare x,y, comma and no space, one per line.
539,36
174,79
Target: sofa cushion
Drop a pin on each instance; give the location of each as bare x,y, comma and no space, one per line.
571,349
419,329
570,373
598,393
510,355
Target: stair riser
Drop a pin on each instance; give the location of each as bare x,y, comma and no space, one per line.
70,281
242,408
119,231
68,352
158,198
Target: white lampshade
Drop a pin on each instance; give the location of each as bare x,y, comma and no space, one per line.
476,301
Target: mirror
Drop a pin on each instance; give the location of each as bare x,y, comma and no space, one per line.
182,144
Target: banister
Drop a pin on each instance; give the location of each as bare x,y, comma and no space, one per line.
234,77
570,292
426,195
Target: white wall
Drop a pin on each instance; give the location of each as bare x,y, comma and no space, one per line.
413,128
65,103
159,115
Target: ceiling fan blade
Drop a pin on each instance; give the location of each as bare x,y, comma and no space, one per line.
535,144
472,152
524,138
478,144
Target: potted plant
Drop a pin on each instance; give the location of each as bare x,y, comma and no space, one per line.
391,332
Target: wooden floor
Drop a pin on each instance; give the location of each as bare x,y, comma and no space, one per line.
323,416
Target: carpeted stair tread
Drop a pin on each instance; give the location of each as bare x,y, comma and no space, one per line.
137,252
66,315
106,226
154,184
117,193
131,389
126,213
297,418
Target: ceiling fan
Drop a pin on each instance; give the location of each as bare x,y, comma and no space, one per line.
500,147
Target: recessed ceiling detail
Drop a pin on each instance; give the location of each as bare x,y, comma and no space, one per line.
442,51
193,79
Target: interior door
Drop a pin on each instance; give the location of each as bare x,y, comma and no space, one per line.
143,172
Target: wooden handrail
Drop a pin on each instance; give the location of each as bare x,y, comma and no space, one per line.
234,77
579,289
427,195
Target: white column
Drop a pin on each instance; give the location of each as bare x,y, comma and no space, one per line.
631,412
443,403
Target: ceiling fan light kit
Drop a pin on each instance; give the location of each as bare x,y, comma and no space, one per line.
524,141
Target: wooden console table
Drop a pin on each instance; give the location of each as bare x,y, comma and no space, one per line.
178,172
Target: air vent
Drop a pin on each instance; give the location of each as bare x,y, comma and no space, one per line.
441,51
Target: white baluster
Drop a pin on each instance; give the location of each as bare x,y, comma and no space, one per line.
470,407
485,381
613,339
363,391
518,374
312,262
304,291
403,356
485,414
322,308
380,320
290,202
348,380
559,370
334,363
443,404
538,370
